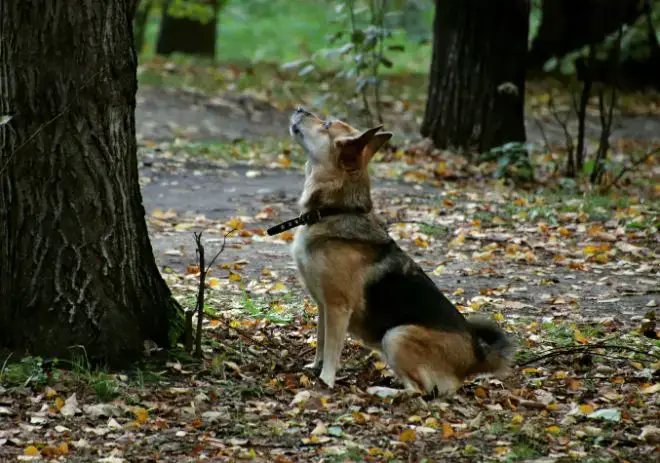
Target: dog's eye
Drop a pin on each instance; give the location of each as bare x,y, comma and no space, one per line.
327,124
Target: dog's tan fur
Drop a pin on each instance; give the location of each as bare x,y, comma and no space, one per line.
342,256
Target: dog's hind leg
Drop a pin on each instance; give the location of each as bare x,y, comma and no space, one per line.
423,358
320,339
336,327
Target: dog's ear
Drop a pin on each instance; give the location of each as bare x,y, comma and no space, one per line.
356,151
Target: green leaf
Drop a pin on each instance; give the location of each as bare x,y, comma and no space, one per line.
550,65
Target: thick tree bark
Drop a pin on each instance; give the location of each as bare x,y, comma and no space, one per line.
76,264
188,35
477,78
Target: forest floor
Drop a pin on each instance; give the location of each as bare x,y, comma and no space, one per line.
556,267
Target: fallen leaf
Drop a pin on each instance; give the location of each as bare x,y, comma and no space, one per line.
408,435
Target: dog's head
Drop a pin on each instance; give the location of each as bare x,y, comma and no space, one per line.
334,146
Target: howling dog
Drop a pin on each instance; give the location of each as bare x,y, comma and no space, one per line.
364,283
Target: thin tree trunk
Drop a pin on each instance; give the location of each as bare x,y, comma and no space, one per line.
142,12
477,78
186,34
76,264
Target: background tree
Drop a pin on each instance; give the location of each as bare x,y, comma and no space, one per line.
76,264
567,25
477,77
189,26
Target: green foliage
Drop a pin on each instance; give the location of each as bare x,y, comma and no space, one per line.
361,50
512,160
196,10
26,372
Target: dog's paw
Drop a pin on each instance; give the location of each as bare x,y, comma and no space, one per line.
328,379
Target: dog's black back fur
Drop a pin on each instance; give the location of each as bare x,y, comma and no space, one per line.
403,294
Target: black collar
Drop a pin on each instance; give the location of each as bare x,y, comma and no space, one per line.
312,217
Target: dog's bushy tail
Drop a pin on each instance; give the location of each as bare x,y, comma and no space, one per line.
497,346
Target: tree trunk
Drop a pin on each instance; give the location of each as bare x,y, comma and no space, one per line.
568,25
189,34
477,78
76,264
142,11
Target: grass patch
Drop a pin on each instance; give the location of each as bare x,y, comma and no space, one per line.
433,230
271,310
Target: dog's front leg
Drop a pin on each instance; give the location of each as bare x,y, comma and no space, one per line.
336,326
320,339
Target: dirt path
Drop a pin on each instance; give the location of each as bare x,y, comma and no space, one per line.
219,192
163,113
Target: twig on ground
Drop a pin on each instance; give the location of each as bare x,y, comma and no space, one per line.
587,348
199,308
632,166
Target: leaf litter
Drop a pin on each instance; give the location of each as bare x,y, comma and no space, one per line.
573,280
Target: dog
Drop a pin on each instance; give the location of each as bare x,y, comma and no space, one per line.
364,283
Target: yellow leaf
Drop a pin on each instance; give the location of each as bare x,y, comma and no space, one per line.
517,419
447,431
579,337
234,324
234,276
63,448
31,451
438,270
501,450
213,282
601,258
407,436
431,422
482,256
563,231
374,451
574,384
415,419
421,242
236,223
49,392
499,317
587,250
459,291
594,230
530,371
286,236
560,375
554,429
59,403
460,239
586,408
141,414
380,365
